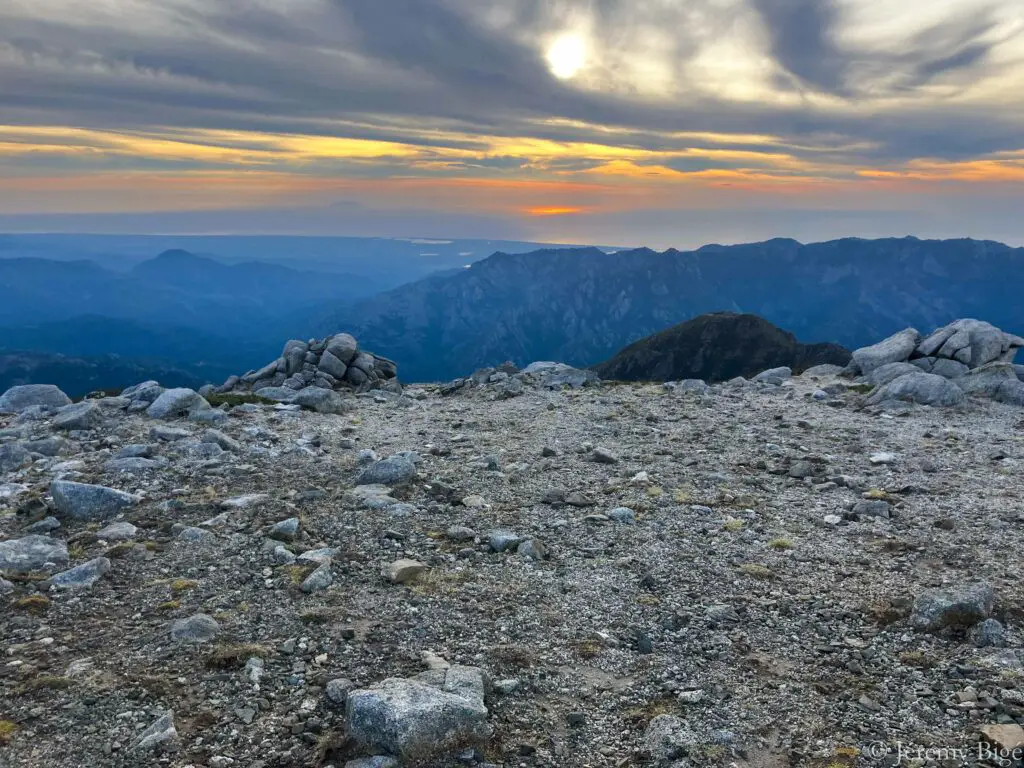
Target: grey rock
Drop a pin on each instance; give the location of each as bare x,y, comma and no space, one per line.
48,446
169,434
512,387
146,392
964,606
332,366
380,761
199,628
364,362
13,456
989,634
81,576
136,451
18,399
604,456
201,451
194,535
623,515
337,690
822,371
216,437
995,380
343,346
323,400
920,388
211,416
286,530
356,376
393,470
502,540
81,416
119,531
532,549
134,465
161,733
667,740
889,372
403,571
775,375
971,342
294,356
421,718
88,502
46,525
872,508
460,533
277,394
174,403
32,553
6,587
896,348
318,580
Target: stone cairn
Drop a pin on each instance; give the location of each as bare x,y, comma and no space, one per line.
335,363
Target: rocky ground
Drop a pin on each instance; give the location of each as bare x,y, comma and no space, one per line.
750,575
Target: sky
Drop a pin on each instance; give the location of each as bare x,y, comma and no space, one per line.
621,122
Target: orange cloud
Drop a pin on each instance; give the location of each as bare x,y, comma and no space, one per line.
553,210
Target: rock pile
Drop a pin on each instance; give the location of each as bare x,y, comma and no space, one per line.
333,364
966,357
508,380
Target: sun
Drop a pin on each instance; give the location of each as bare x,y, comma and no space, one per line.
566,56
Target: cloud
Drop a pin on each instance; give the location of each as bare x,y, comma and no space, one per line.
753,95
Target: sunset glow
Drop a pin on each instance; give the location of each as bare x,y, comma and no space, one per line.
620,116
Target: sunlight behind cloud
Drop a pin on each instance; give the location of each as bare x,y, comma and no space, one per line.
567,55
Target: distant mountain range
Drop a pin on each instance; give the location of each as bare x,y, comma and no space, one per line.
581,306
717,347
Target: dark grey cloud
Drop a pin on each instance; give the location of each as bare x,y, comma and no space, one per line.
399,66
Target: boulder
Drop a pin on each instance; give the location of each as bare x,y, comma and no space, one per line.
294,356
173,403
889,372
13,456
199,628
895,349
920,388
32,553
393,470
971,342
48,396
161,733
775,375
421,718
322,400
995,380
145,392
822,371
83,416
332,365
960,607
88,502
343,346
81,576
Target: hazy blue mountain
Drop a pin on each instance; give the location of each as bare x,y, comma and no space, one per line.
717,347
386,262
176,289
581,306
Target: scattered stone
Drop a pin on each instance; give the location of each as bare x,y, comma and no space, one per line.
199,628
46,525
604,456
286,530
174,403
32,553
503,541
83,416
338,689
393,470
119,531
421,718
161,733
318,580
965,606
404,571
88,502
532,549
21,398
623,515
81,576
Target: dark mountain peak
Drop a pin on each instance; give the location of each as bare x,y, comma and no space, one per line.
716,347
